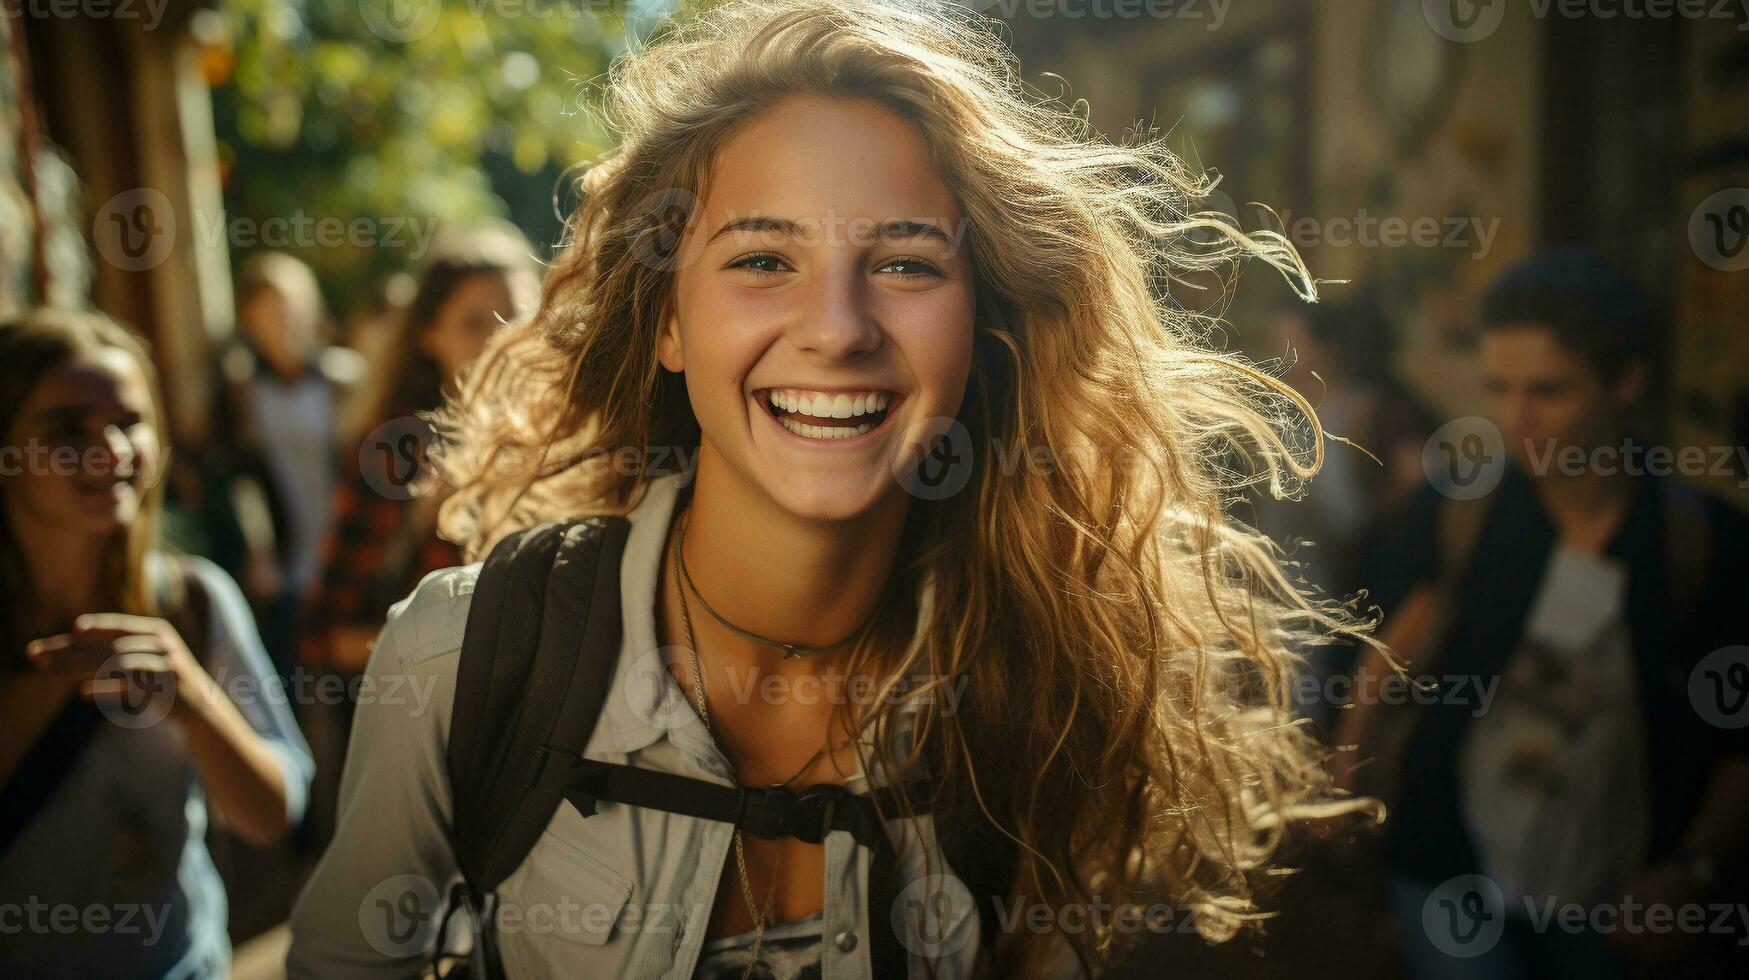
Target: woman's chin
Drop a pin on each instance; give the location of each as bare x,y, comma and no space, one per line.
106,515
833,497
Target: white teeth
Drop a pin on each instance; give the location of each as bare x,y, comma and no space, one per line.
822,405
827,432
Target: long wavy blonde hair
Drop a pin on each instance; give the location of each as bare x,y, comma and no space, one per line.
1125,645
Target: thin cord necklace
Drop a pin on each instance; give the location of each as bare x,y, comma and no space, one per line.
759,915
789,649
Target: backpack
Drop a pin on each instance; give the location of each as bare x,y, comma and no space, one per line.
538,653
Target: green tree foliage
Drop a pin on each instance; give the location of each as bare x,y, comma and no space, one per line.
371,119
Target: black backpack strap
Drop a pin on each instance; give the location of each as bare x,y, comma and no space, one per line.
806,813
50,760
886,955
538,652
537,659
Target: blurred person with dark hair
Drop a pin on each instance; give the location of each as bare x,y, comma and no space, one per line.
1343,352
382,542
1343,365
132,680
283,388
374,331
1563,613
383,539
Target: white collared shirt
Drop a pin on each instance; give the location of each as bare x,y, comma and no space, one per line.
624,893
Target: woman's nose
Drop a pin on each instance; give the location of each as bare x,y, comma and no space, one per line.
118,450
837,322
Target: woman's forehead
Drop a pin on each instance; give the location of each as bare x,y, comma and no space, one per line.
825,160
95,380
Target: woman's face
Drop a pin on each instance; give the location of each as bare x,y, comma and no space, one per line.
465,320
84,446
823,305
267,318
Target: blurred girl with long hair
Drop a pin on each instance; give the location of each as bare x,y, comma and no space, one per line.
383,538
133,682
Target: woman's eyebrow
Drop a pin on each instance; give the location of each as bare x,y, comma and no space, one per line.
913,229
891,229
63,413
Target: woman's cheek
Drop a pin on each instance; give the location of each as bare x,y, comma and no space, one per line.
937,342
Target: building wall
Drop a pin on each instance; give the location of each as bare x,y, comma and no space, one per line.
1614,133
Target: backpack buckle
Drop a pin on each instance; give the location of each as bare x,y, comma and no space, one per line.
778,811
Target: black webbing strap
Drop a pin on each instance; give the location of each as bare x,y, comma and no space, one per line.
538,654
806,813
886,957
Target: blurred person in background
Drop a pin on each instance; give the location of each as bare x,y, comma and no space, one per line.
383,539
1563,613
1343,352
283,389
133,684
373,330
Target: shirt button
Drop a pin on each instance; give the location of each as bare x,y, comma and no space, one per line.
846,941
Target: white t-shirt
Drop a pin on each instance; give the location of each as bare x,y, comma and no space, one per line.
1554,775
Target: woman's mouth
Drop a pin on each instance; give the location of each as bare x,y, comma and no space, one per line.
103,487
827,415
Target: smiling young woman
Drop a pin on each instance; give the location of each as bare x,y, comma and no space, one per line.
906,325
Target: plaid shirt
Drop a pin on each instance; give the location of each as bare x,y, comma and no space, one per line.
379,548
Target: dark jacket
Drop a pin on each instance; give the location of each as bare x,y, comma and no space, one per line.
1428,838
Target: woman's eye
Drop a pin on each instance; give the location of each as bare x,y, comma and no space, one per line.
66,434
918,268
767,264
762,264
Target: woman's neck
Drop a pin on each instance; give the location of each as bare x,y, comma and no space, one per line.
782,577
66,567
